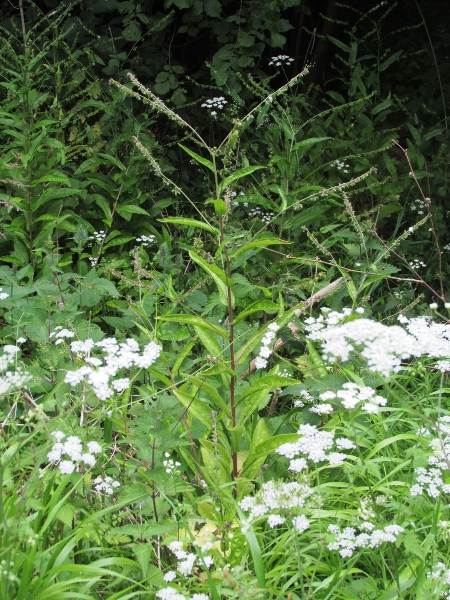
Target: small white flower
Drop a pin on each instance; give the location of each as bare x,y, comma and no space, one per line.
170,576
66,467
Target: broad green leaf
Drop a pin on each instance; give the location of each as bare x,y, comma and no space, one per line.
209,341
235,176
339,44
304,144
265,305
317,360
267,382
190,223
194,406
131,209
195,321
203,161
259,243
221,280
260,452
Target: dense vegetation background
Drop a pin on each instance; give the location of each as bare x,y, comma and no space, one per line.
184,184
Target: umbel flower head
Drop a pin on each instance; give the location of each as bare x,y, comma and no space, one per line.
99,370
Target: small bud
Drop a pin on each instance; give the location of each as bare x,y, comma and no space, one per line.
433,306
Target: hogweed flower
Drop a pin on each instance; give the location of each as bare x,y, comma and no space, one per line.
99,371
281,60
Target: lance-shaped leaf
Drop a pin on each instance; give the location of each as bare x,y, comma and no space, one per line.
221,280
203,161
255,307
235,176
194,320
190,223
259,243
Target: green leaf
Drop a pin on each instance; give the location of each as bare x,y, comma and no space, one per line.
266,305
212,8
339,44
258,455
258,243
235,176
223,283
190,223
209,341
304,144
390,60
267,382
203,161
131,209
195,321
194,406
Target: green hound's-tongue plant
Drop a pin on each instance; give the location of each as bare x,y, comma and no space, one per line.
227,393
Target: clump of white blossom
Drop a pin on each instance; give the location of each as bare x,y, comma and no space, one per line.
97,237
315,445
3,295
417,264
10,379
281,60
351,395
277,497
258,212
265,350
169,464
432,480
441,574
146,240
60,334
106,484
70,452
187,563
419,206
383,347
115,356
215,104
366,535
342,166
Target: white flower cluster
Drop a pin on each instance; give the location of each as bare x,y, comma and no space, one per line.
61,334
432,338
265,351
11,380
117,356
419,206
382,346
432,480
146,240
441,572
72,448
317,445
417,264
279,61
186,563
169,464
213,104
350,539
353,394
3,295
106,484
279,496
170,593
97,237
259,213
306,397
342,166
